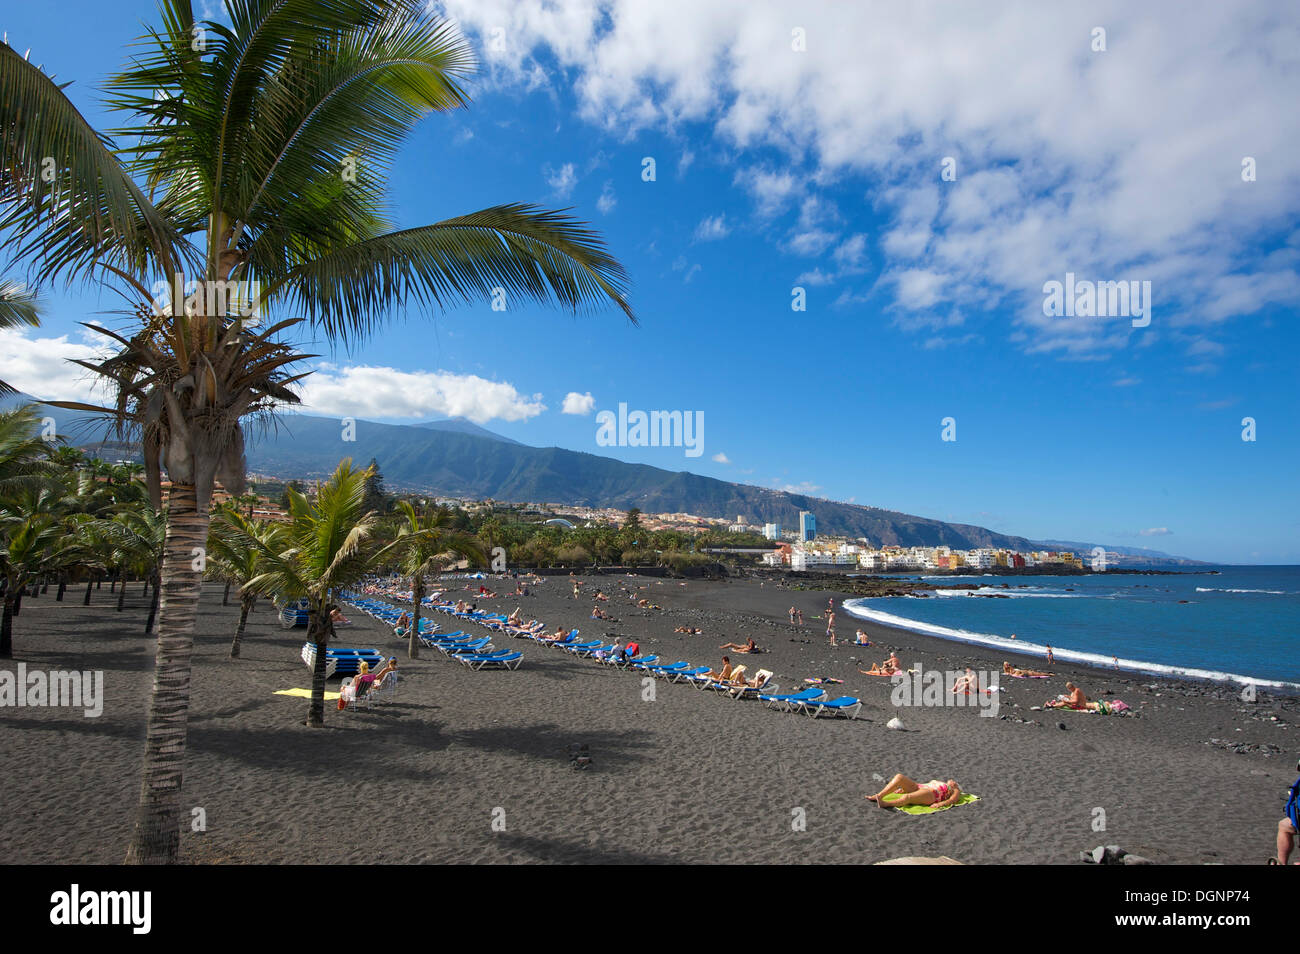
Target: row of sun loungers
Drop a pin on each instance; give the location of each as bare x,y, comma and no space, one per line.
479,653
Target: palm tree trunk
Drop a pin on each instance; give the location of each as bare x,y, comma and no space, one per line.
90,585
121,593
413,643
7,626
153,608
319,630
225,597
156,839
18,601
63,585
245,604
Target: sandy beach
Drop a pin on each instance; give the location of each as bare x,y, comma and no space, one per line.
690,776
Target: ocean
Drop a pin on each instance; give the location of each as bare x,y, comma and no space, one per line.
1240,623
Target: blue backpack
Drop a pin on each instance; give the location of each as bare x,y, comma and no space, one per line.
1293,805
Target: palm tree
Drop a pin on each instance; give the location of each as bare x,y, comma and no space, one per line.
327,545
138,536
260,157
426,544
17,307
231,557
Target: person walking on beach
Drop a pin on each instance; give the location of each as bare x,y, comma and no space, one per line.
830,626
1051,660
792,612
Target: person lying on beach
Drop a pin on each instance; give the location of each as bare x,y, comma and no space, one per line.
532,629
358,687
514,618
889,667
646,604
691,631
1010,670
934,792
556,636
749,646
602,597
1073,699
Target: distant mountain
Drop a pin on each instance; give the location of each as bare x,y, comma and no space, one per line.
459,459
463,425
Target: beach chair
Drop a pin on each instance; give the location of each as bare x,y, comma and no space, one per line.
773,700
744,691
583,649
505,661
846,706
664,671
633,662
687,674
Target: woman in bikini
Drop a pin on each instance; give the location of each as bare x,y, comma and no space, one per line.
934,792
1010,670
748,647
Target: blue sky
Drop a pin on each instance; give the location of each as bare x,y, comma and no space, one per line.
819,168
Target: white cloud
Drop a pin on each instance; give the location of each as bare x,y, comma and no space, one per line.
562,180
575,403
712,228
371,391
812,242
720,458
1111,165
607,200
1156,532
43,368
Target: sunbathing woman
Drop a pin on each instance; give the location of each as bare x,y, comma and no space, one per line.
690,631
556,636
1074,699
748,647
934,792
1010,670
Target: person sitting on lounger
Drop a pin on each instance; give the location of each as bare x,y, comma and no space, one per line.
556,636
1073,699
610,652
514,618
403,625
889,667
934,792
358,687
1010,670
390,666
749,646
721,675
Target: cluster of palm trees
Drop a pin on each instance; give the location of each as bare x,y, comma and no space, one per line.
253,149
66,518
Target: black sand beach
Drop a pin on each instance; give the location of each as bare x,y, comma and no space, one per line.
688,777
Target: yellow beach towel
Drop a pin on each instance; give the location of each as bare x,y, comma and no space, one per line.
306,694
966,799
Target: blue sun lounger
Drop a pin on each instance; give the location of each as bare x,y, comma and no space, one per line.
676,667
791,699
478,662
843,706
634,662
